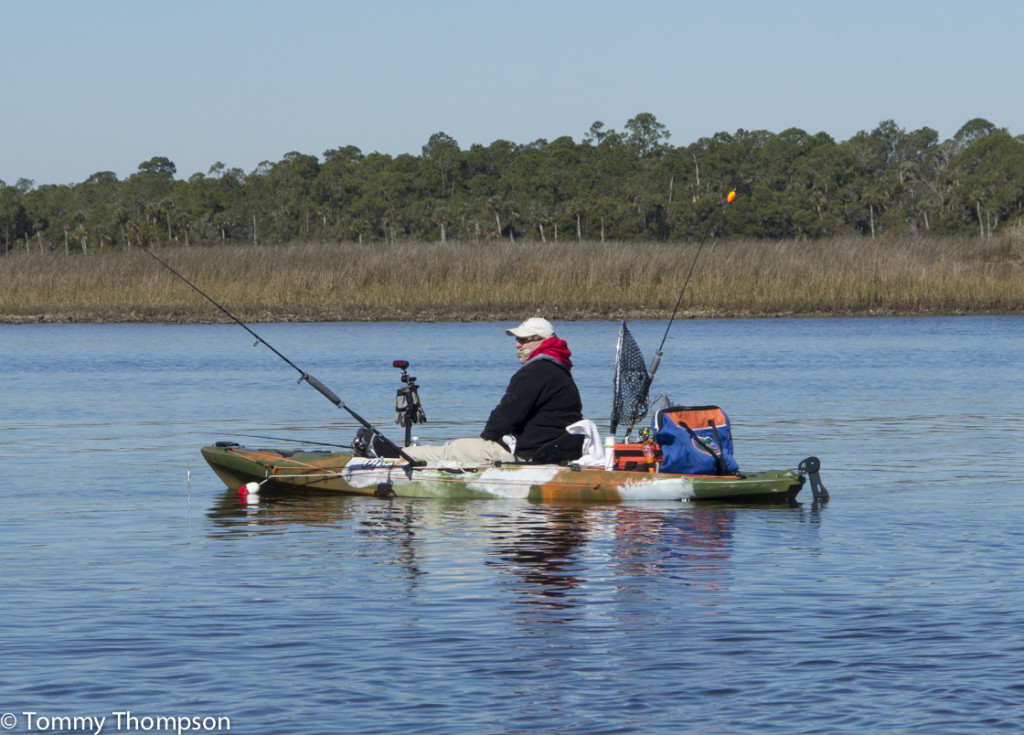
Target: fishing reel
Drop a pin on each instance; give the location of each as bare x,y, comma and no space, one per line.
408,410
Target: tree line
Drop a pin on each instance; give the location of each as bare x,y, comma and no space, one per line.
623,185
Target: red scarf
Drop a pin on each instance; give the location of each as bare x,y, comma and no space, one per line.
554,348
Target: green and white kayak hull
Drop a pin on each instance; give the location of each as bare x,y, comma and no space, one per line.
324,471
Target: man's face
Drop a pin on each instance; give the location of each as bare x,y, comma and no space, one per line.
525,347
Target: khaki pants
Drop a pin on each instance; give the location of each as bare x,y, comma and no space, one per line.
471,450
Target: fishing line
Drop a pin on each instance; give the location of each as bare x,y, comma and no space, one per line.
303,375
721,216
730,197
295,441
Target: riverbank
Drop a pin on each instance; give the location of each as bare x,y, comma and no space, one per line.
565,280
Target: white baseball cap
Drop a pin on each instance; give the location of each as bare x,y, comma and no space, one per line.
533,327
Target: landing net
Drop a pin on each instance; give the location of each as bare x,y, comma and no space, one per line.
632,382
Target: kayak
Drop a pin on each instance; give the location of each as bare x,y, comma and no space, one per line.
252,470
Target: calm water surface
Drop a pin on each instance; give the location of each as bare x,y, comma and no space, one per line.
133,581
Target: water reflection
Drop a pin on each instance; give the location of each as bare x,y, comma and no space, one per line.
539,547
554,560
568,561
692,545
233,517
392,521
396,524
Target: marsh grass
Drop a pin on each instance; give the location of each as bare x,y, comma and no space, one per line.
563,280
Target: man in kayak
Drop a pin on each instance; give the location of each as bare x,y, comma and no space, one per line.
529,424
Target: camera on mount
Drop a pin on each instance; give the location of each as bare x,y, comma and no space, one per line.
408,410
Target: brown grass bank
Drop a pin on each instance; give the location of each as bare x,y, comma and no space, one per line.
507,281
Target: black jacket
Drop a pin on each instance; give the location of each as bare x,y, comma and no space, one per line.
540,401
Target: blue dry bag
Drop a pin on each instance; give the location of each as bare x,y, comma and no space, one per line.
695,440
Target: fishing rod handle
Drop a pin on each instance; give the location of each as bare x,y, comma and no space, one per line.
655,362
327,392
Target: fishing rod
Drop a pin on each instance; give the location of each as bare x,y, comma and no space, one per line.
303,375
729,199
641,396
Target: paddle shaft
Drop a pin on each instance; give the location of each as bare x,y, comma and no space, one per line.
303,375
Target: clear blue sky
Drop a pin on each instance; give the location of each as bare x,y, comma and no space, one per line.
103,85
